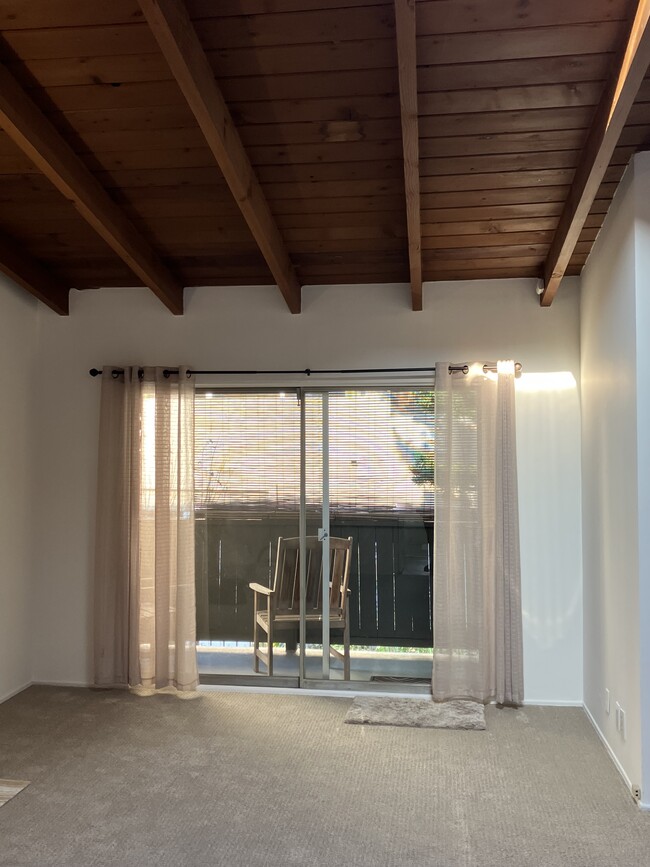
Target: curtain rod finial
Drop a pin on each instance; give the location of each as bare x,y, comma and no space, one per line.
94,372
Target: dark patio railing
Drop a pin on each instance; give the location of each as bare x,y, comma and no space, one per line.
390,577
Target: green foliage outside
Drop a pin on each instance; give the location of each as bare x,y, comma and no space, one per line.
420,405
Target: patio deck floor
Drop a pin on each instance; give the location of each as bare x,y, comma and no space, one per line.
238,661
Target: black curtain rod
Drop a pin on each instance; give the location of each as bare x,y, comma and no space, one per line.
453,368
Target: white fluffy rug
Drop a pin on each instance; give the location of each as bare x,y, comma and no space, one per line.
416,713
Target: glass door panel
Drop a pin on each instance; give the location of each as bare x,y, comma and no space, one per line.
375,475
247,481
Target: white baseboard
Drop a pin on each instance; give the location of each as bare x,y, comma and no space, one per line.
348,693
645,808
14,692
74,683
612,754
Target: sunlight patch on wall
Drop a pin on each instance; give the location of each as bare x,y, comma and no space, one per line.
559,380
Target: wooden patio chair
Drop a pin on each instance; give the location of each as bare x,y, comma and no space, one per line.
282,610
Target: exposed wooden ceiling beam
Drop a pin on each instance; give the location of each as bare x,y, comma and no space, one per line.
26,125
178,41
33,276
611,116
408,94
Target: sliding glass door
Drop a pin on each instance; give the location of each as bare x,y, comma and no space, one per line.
335,463
247,473
369,460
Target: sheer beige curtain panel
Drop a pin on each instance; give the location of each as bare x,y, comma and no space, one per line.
476,565
144,623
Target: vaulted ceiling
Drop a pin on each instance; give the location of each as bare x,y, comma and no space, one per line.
292,142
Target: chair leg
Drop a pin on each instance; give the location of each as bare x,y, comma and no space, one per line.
270,644
256,637
346,650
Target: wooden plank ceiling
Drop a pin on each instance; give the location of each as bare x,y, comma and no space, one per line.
506,95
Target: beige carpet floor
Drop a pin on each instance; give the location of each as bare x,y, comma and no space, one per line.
246,780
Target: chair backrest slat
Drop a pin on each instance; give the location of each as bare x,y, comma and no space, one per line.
287,574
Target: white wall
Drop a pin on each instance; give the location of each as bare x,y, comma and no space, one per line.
609,472
345,326
642,267
18,321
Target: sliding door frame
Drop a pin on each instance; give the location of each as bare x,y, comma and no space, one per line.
324,682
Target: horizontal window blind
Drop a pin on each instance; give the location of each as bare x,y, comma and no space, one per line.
247,448
380,451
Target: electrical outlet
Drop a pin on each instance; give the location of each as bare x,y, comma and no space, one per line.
636,793
607,707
